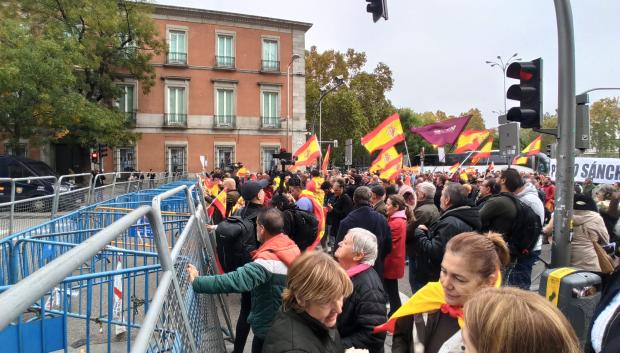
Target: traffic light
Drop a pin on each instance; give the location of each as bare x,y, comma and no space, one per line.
378,9
94,157
528,92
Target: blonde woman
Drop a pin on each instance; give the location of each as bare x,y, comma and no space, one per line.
511,320
431,320
311,302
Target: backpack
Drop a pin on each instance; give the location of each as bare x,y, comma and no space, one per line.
525,230
301,226
236,239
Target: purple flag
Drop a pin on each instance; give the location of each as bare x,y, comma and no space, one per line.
442,133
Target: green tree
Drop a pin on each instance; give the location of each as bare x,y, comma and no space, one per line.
605,126
476,122
98,43
347,112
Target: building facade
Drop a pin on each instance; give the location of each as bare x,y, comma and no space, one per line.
224,90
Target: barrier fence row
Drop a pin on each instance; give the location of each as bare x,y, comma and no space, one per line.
27,202
112,275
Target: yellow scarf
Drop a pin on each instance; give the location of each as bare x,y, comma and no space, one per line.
429,298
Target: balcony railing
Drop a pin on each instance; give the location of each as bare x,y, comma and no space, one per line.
224,121
270,66
270,122
130,117
175,120
175,58
224,62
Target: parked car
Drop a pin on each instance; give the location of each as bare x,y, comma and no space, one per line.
19,167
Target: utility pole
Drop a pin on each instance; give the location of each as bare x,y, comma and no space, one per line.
564,192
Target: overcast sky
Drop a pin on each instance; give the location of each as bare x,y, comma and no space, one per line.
437,49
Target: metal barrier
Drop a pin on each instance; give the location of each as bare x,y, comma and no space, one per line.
91,293
26,202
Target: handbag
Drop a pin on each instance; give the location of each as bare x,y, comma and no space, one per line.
605,261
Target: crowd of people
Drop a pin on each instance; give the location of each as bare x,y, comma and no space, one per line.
317,260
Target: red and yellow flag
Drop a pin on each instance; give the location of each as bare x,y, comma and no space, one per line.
385,157
308,153
520,160
387,134
392,169
219,203
326,160
454,168
469,140
243,172
485,152
533,148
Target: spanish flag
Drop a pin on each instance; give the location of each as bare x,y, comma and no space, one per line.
454,168
392,169
470,140
243,172
219,203
485,152
385,157
520,160
533,148
326,160
387,134
308,153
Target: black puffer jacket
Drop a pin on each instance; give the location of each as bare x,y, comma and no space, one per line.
363,216
430,246
611,338
362,311
299,332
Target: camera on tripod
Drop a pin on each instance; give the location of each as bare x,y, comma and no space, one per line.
285,158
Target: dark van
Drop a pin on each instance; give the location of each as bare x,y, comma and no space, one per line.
19,167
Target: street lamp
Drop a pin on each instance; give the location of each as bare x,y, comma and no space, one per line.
288,103
329,87
503,65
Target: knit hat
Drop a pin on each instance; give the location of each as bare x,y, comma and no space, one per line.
584,202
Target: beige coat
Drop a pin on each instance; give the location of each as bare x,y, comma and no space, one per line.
587,226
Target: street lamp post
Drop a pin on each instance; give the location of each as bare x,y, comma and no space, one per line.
331,86
288,101
503,66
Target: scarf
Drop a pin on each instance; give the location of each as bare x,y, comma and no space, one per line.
429,298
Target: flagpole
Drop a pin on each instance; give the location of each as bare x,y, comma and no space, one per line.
464,160
407,150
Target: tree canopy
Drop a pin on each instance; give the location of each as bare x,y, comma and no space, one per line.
60,65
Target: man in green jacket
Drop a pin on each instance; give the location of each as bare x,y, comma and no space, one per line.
265,276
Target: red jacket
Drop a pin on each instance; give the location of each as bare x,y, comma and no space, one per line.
394,264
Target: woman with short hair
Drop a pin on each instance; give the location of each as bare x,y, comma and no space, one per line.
316,287
365,308
431,320
511,320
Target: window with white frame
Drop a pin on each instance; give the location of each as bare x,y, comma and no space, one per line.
176,159
176,106
125,159
177,47
224,156
270,55
225,106
126,102
225,56
267,153
270,101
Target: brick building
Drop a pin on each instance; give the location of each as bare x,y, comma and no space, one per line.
221,92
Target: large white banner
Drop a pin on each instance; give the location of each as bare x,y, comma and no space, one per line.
601,170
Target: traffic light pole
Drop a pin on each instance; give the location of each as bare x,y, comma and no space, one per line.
562,225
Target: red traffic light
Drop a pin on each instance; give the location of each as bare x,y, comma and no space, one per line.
94,155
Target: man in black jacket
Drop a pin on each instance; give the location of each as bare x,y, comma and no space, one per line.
363,216
340,208
365,308
430,244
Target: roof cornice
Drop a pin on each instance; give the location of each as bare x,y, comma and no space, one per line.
167,10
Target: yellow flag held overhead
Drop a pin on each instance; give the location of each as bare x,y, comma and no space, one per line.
387,134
